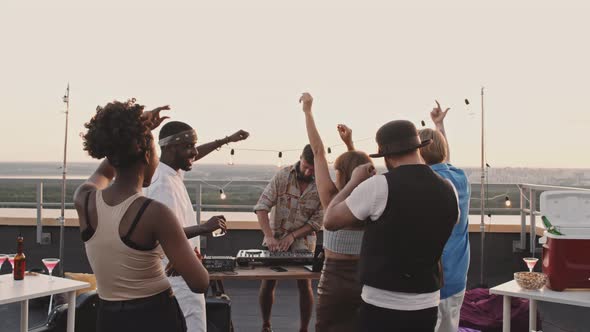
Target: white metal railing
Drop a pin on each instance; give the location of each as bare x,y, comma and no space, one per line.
198,186
532,210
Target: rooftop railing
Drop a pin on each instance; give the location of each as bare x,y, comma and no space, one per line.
44,193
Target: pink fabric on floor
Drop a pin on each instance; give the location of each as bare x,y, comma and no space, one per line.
483,311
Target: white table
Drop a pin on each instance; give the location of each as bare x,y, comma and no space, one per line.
34,286
511,289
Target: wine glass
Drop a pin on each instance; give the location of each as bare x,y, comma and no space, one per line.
3,258
11,260
50,264
530,262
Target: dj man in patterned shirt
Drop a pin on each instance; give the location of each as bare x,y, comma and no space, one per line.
292,200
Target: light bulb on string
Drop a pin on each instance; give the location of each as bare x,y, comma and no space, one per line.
222,194
423,123
231,157
330,161
280,162
507,201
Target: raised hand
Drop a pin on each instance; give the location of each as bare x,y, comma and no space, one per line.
239,135
438,115
345,133
153,119
307,100
362,172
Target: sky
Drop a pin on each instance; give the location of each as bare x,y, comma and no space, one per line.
229,65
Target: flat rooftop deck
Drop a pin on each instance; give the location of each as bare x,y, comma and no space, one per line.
245,310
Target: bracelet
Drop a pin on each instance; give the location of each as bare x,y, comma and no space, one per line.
221,142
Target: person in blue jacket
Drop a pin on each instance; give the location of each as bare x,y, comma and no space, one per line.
455,258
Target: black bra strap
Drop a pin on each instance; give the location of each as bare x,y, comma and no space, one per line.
137,217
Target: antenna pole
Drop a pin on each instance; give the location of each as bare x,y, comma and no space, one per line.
482,192
62,219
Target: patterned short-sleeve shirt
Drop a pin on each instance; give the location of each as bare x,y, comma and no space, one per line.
289,208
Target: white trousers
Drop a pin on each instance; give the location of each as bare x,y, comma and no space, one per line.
449,313
192,304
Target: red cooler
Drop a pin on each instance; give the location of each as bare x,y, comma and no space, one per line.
566,258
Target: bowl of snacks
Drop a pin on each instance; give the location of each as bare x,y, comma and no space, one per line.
530,280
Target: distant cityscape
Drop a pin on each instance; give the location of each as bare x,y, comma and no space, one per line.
504,175
547,176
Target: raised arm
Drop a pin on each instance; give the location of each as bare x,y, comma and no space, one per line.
169,233
205,149
438,117
326,187
346,136
100,179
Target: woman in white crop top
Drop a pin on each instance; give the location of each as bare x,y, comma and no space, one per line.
339,290
126,234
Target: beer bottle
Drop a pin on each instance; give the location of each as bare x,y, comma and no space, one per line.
19,260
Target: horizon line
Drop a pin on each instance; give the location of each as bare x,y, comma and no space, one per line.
285,164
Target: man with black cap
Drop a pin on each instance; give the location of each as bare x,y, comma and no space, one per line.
410,212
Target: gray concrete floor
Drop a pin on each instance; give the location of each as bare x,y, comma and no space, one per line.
245,309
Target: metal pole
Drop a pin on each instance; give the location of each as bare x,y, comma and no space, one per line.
533,233
522,221
39,210
532,314
62,218
482,195
199,204
506,315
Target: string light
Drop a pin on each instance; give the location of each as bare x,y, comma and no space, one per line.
232,151
423,123
222,194
280,162
508,203
231,157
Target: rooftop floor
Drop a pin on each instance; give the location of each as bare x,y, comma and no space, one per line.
245,310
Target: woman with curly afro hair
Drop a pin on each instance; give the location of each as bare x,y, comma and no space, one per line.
126,234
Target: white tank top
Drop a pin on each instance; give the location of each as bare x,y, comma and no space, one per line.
122,273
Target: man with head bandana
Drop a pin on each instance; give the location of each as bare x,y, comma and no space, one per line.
178,143
291,198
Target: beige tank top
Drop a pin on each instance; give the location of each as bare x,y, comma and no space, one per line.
122,273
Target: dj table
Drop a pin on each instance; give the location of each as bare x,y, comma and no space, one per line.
256,273
265,273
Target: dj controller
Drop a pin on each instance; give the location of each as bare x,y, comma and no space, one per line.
265,257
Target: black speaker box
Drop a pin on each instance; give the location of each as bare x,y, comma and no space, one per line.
218,314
